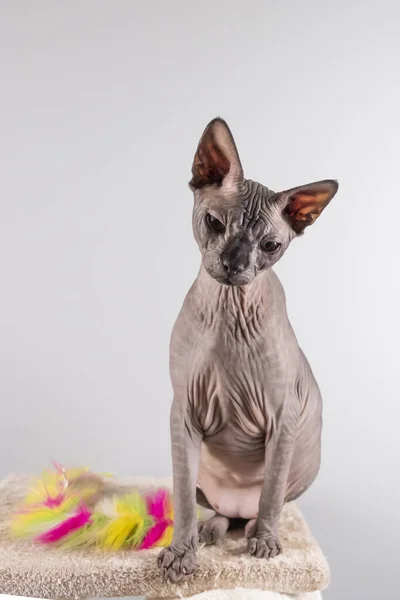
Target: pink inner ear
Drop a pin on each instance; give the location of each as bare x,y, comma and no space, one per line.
213,156
301,203
303,208
210,164
310,202
216,156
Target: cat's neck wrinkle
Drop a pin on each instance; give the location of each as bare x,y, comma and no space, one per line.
236,308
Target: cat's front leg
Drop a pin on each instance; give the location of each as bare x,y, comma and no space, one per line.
179,559
262,533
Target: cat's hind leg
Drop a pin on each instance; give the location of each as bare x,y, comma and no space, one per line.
213,529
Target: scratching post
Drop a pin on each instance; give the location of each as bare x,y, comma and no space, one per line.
224,571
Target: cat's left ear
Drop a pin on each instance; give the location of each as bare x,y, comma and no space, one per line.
304,204
216,161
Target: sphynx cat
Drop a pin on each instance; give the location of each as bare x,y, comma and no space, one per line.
246,414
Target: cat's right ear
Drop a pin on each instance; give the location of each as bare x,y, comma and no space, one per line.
216,161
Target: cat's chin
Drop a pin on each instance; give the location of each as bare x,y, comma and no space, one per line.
234,281
239,283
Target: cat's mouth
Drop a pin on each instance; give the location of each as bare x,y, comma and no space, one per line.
230,279
233,280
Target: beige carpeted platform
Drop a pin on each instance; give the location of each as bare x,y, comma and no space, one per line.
31,570
243,594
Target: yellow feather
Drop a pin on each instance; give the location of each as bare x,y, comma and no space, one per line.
127,523
166,539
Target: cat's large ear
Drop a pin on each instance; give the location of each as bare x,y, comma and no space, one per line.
216,161
303,205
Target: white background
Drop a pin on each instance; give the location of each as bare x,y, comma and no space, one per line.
102,104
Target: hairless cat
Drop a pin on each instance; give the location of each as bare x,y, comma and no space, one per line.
246,414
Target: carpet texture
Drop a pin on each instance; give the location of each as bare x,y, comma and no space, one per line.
31,570
243,594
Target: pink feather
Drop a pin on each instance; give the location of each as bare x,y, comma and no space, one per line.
154,535
156,507
79,519
156,504
54,502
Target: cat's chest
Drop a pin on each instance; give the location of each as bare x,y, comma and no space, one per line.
231,395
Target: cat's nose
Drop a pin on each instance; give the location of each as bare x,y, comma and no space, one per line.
236,256
232,268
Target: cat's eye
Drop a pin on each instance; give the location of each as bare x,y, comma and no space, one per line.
269,246
214,224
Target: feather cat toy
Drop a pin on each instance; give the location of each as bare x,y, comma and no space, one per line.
74,508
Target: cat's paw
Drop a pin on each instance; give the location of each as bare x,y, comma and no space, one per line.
265,546
176,564
213,530
262,541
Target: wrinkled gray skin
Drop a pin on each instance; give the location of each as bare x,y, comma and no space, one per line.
246,414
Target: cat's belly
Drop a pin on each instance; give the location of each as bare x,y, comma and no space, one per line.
232,484
239,417
232,465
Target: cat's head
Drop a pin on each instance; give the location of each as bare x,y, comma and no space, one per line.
242,227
